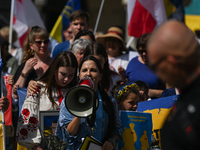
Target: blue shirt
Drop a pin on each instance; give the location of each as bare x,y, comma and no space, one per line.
138,71
60,48
74,142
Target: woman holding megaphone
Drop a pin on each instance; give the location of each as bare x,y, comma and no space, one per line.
107,126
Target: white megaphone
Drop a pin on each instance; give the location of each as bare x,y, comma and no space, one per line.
82,101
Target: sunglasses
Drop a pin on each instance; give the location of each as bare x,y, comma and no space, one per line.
40,42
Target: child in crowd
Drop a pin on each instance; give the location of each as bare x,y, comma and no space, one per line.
127,95
60,76
143,90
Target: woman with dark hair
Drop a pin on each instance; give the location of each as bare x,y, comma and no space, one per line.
109,77
85,34
107,128
60,76
138,70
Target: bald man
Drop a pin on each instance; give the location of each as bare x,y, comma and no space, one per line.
174,54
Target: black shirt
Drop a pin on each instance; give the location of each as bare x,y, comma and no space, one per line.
181,130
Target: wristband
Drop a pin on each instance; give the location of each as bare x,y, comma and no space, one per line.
23,75
112,141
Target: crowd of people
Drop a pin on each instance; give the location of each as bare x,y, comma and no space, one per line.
167,62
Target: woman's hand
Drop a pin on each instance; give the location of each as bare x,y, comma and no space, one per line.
108,146
11,79
14,91
29,65
33,87
122,72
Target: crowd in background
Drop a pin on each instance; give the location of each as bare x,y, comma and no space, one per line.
49,71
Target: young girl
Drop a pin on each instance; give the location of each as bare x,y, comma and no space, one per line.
60,76
127,95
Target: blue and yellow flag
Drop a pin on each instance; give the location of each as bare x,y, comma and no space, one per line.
159,108
63,19
175,9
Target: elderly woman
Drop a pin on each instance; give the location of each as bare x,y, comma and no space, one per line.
78,47
107,128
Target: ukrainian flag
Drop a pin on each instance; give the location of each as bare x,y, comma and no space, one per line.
63,19
192,17
175,9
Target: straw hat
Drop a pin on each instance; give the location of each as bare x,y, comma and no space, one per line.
112,32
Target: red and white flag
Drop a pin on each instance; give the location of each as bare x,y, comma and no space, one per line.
25,15
144,16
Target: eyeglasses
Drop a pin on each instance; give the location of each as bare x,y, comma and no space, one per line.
154,66
40,42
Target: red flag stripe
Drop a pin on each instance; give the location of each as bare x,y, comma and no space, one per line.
141,21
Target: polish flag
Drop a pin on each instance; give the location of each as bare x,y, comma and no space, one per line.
25,15
144,16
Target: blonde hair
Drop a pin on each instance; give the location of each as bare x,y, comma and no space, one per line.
34,32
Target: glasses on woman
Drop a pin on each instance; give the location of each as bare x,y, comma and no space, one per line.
40,42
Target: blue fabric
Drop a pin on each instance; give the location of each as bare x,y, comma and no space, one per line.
99,121
70,7
168,92
0,74
21,96
138,71
60,48
74,142
164,102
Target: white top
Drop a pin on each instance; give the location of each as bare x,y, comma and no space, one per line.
18,54
28,134
115,62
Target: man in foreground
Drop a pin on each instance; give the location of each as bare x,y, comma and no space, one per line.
174,54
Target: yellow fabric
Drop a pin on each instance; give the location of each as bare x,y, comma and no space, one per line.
1,133
158,119
193,22
169,7
19,147
56,32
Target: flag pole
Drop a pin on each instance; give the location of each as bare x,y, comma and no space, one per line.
129,42
11,25
3,119
99,14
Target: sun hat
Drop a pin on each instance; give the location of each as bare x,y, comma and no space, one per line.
113,32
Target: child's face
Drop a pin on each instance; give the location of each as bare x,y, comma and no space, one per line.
131,103
64,76
54,127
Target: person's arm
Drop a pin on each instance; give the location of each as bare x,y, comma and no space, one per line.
27,132
27,68
155,93
73,126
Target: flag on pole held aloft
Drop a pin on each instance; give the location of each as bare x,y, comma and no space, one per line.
25,16
175,9
144,16
63,19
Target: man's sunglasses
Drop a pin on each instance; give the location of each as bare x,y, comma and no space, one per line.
40,42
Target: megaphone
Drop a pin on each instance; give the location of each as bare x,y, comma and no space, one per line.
82,101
